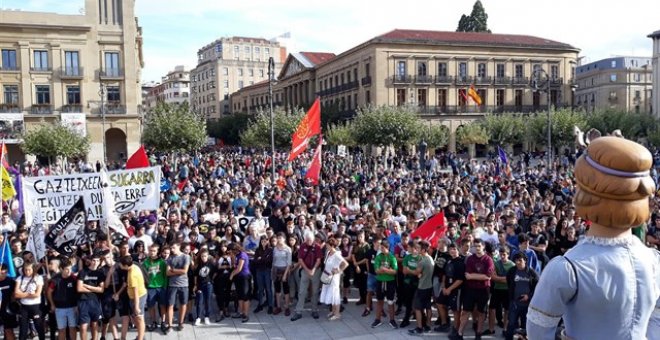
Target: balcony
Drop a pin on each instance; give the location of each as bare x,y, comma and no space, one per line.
352,85
445,80
71,73
366,81
111,73
115,109
72,108
423,79
478,110
463,80
10,108
556,81
41,109
483,80
502,80
9,68
401,79
521,81
40,69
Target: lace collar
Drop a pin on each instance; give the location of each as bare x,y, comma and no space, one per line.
610,242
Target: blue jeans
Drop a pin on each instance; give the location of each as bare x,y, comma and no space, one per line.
516,312
265,285
204,293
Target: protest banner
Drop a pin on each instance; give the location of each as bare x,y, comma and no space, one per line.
47,198
63,235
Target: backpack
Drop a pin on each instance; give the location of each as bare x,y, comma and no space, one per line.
144,273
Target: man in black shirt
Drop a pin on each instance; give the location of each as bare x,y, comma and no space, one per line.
521,281
450,295
90,286
62,295
372,283
7,315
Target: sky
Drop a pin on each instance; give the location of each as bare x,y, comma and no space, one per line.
174,30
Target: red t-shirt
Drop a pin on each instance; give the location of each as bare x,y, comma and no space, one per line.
479,265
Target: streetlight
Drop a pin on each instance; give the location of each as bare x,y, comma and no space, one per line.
271,76
541,82
102,92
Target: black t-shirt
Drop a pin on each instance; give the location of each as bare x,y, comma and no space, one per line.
371,256
455,270
213,248
65,291
92,278
204,273
441,260
7,288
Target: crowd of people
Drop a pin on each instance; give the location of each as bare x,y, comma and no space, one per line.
229,242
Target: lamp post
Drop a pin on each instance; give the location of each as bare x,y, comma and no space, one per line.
541,82
102,92
271,76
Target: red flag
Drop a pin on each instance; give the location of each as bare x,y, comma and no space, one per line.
433,229
182,184
314,170
309,126
268,162
3,157
138,160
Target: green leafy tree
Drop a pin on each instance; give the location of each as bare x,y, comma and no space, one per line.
55,140
435,136
504,129
477,21
341,134
632,125
257,133
229,128
472,133
174,128
386,125
563,123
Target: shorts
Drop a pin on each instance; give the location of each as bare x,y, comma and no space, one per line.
371,282
156,296
7,320
452,301
177,292
242,284
89,311
499,299
423,299
143,303
476,298
66,318
108,308
386,289
124,305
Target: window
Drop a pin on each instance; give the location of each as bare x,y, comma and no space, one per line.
367,97
499,70
114,96
421,68
613,77
267,51
251,72
401,68
212,72
482,94
257,51
112,64
11,94
637,77
71,63
349,103
40,60
355,74
554,72
536,68
247,49
442,97
9,60
518,98
462,70
442,69
462,97
43,94
237,49
499,100
366,70
73,95
421,97
481,70
348,76
519,71
240,72
613,64
400,97
240,84
225,71
261,73
638,94
342,78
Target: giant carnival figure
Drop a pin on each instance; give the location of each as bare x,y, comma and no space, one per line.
608,285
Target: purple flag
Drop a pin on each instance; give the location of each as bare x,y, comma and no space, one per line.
18,184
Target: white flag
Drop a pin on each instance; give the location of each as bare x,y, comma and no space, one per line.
110,219
35,242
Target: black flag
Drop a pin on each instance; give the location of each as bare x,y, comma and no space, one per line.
63,234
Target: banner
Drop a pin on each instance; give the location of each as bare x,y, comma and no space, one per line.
47,198
11,127
35,243
62,236
76,121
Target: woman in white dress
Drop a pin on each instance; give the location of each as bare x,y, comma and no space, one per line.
334,265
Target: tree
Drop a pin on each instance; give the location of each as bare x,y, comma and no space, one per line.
257,133
174,128
386,125
341,134
472,133
504,129
563,123
632,125
55,140
477,21
229,128
436,136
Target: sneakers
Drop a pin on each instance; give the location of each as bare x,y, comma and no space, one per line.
442,328
245,319
296,317
376,323
287,312
360,302
257,310
198,322
404,323
393,324
236,315
220,318
426,329
415,331
277,310
488,332
335,317
270,310
315,314
366,312
179,328
207,321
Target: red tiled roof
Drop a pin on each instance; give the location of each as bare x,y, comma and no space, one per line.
469,38
317,58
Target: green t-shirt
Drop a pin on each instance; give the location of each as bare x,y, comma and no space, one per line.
385,261
501,269
156,272
411,262
426,280
639,231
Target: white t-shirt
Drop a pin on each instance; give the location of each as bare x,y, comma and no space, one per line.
29,285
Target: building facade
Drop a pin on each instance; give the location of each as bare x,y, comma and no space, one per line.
174,88
77,69
655,94
228,65
619,83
